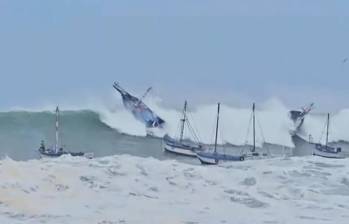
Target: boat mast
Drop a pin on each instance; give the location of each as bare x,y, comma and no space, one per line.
183,121
217,126
57,129
254,128
328,125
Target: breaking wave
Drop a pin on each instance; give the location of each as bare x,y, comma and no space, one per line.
273,123
99,120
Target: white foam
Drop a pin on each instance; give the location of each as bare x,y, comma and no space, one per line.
315,125
125,189
272,117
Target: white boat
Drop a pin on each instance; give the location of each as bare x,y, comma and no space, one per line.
325,150
186,149
181,146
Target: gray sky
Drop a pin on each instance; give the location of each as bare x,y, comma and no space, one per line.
205,51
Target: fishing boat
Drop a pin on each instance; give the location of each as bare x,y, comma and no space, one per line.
181,146
57,150
250,151
298,116
139,110
213,158
327,151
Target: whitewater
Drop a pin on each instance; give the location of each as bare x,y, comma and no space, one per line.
128,189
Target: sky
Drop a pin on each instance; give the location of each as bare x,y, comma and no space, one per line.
205,51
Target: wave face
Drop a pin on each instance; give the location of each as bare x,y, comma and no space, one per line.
127,189
21,133
109,130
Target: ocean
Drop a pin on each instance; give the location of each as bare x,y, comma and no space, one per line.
132,180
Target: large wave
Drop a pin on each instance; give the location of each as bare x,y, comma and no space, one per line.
273,123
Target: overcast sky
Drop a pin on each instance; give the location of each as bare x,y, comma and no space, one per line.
200,50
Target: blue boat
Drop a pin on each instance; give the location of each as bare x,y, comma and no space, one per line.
57,150
213,158
139,110
327,151
207,158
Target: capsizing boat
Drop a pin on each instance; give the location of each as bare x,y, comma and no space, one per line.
139,109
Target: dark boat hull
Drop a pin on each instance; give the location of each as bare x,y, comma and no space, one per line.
52,154
208,158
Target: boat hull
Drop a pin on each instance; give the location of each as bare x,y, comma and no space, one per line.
328,155
179,150
305,148
59,154
215,158
207,160
328,152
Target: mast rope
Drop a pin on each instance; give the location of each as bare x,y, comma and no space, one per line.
263,138
193,126
178,130
323,132
260,129
191,129
248,129
186,117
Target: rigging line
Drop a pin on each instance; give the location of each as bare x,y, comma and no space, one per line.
188,125
213,130
260,129
323,132
194,126
145,94
224,149
193,133
221,137
191,129
262,135
178,130
248,129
